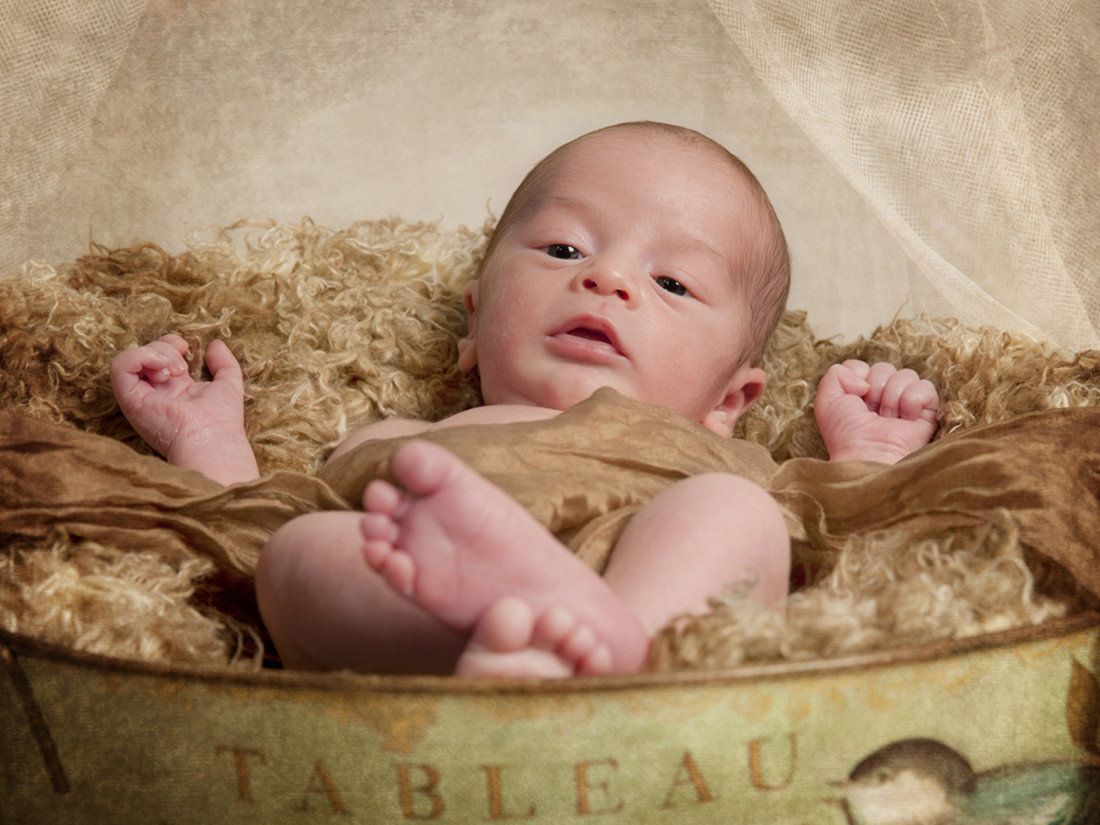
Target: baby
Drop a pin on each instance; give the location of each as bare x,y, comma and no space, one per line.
642,257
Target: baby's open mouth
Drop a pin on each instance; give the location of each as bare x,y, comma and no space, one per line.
590,334
591,337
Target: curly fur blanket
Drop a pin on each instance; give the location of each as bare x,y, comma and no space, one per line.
335,329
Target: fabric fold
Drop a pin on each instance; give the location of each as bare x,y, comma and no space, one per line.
54,477
582,474
1042,469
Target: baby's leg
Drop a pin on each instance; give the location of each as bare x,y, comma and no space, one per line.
693,539
326,610
457,545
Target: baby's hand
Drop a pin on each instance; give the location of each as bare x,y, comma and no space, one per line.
194,424
874,413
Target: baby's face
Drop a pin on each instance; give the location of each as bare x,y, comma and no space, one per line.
624,274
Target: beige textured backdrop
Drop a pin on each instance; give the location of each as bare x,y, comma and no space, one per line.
424,109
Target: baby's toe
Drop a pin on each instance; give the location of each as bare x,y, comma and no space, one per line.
506,625
553,628
579,644
559,631
383,498
378,527
399,570
596,662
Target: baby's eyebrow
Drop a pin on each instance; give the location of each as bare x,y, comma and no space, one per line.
686,241
559,200
543,201
694,244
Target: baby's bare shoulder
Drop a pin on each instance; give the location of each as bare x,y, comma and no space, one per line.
388,428
495,414
407,427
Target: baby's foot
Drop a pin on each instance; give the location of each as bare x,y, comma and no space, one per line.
509,640
457,545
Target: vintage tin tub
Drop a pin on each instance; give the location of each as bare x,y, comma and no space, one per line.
87,739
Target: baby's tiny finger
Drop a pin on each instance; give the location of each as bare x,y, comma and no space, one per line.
859,368
222,363
878,376
893,392
920,401
152,365
177,342
849,377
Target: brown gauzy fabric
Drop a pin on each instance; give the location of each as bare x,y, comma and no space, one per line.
582,473
54,477
1043,469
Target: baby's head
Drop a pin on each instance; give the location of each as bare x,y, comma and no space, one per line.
655,262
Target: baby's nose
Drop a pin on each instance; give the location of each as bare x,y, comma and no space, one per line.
610,281
597,286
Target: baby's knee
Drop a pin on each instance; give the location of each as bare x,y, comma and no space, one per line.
297,549
745,508
297,575
290,538
727,503
755,517
278,559
734,495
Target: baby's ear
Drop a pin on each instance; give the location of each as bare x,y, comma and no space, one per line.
467,348
744,389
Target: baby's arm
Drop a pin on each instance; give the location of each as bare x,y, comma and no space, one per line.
194,424
874,413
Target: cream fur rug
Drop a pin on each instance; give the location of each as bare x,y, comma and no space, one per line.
335,329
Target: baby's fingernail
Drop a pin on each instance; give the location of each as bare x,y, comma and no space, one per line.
177,366
886,412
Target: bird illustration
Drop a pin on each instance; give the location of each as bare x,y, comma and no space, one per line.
925,782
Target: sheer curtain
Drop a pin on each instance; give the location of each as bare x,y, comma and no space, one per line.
973,130
57,58
968,126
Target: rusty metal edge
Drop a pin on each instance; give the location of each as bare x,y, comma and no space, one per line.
14,645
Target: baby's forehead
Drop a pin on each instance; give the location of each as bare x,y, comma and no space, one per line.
570,186
706,164
613,141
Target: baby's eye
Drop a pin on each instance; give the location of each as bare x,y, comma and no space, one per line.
671,285
563,251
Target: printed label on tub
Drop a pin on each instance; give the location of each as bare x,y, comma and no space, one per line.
1001,734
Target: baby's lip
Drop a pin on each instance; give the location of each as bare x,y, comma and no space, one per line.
594,329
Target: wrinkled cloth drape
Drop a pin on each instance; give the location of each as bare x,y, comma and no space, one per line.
1043,469
582,474
55,477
